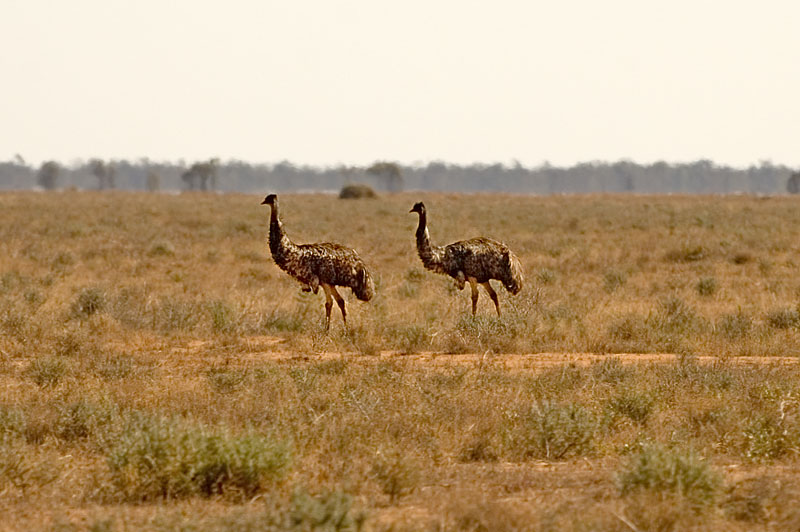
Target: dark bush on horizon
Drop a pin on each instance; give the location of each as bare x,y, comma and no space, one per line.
357,190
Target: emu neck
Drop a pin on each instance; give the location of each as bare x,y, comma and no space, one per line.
430,256
279,243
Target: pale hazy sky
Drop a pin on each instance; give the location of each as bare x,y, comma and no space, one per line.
328,82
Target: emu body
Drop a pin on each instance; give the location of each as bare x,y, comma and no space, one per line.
477,261
322,264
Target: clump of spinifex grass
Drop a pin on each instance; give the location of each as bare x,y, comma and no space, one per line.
551,431
658,469
161,458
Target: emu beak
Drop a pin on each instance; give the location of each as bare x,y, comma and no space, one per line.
264,202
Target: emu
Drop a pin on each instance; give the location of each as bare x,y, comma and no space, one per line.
322,264
476,260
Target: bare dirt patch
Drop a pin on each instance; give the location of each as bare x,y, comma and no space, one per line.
257,350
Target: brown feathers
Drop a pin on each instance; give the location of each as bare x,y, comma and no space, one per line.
476,260
324,264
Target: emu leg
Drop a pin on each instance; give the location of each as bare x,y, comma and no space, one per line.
339,301
460,279
493,295
328,306
473,283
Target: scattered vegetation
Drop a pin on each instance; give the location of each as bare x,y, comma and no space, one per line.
158,458
150,353
683,473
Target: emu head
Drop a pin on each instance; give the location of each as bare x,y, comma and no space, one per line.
270,200
364,287
514,286
513,278
418,207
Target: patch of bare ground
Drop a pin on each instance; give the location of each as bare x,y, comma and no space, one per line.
253,350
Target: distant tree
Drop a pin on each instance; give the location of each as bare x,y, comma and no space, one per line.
153,181
104,172
793,185
434,175
388,173
190,178
47,177
201,175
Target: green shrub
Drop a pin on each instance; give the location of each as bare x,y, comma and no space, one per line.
734,326
22,470
161,249
84,420
157,458
613,279
115,367
12,424
674,316
742,257
707,286
14,323
47,371
784,318
628,328
546,276
62,260
226,380
89,302
767,437
174,314
656,468
222,317
635,406
395,473
327,512
411,338
488,333
611,370
70,343
479,449
551,431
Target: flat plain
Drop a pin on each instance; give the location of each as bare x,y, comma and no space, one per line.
159,372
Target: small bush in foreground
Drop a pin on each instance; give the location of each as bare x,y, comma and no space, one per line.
22,470
767,437
395,473
167,458
658,469
552,431
330,511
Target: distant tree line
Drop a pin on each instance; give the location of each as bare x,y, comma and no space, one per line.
698,177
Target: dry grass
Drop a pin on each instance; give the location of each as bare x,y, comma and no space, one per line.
159,372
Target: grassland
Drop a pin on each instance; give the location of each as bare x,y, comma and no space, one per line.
157,371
